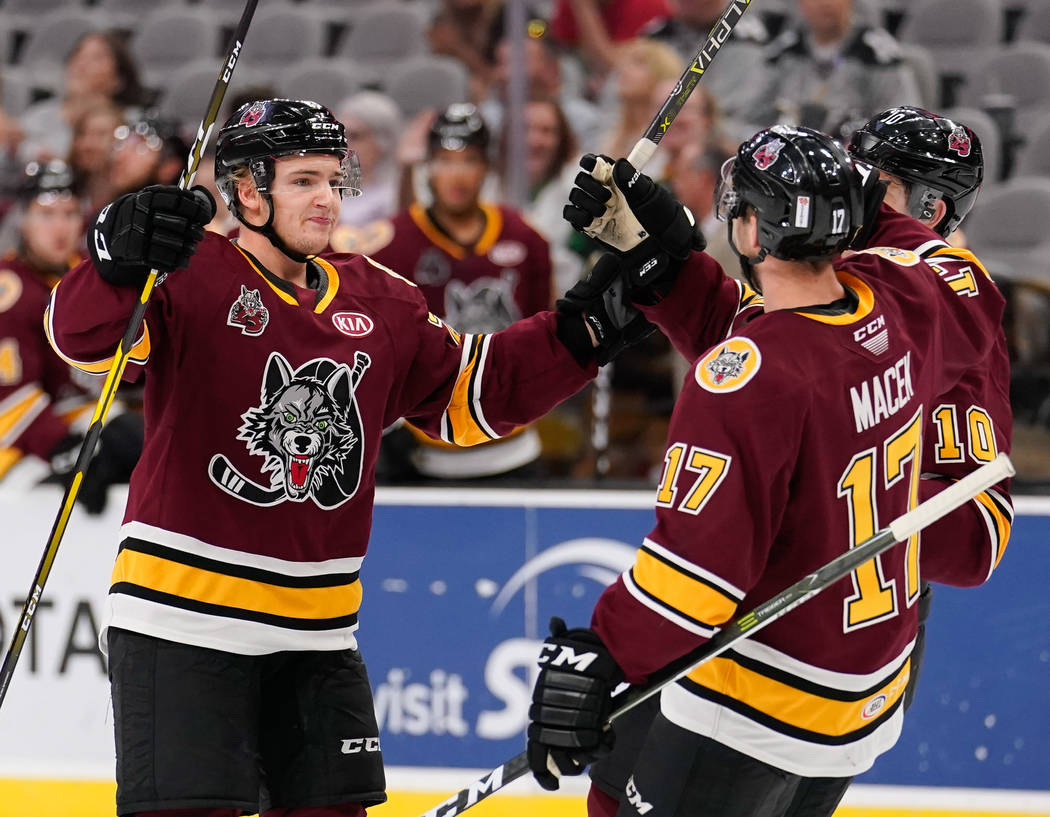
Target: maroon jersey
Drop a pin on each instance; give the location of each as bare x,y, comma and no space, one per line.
972,421
249,512
966,426
36,392
505,276
793,440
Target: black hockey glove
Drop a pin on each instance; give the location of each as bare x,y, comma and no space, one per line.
599,300
157,227
116,453
570,704
632,215
873,191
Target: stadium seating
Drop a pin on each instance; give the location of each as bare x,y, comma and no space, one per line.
427,81
1007,229
171,37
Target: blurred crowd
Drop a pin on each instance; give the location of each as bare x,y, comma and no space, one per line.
465,197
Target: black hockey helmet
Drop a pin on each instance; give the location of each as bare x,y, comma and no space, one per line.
262,131
458,127
46,182
803,188
936,157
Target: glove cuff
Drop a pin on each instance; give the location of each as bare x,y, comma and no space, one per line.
572,332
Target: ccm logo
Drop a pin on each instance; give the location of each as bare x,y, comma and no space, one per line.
351,746
353,324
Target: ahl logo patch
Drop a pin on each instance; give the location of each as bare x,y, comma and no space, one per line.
728,366
248,312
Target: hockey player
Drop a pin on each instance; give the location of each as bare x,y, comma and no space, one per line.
480,268
933,168
813,417
36,392
271,372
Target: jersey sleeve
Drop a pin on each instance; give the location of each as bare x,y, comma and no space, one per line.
468,389
87,317
30,380
964,548
724,486
703,306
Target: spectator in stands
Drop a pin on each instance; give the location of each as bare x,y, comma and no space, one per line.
687,28
91,152
641,65
830,70
544,80
596,26
100,65
373,126
693,150
551,156
147,151
468,30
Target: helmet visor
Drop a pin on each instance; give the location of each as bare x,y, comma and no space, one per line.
727,203
348,182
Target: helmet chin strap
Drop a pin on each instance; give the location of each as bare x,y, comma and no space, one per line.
268,230
747,262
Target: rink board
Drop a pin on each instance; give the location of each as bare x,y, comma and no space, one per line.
458,589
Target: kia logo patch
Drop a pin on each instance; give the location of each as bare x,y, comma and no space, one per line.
353,324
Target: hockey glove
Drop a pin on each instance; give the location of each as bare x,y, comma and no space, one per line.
157,227
116,453
873,191
570,704
628,212
599,300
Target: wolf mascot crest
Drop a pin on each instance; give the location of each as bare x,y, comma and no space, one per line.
308,428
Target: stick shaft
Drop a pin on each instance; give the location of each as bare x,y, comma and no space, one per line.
766,613
116,370
643,150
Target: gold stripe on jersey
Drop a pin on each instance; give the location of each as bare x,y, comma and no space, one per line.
866,302
18,410
793,706
180,579
999,517
946,253
284,296
139,351
683,592
464,423
493,228
9,457
333,284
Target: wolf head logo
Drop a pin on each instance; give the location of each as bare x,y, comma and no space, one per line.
308,428
482,306
728,364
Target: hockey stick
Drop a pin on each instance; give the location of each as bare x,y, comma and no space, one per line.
605,228
645,147
120,361
899,530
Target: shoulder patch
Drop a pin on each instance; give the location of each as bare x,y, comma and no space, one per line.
729,365
370,238
10,289
906,258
